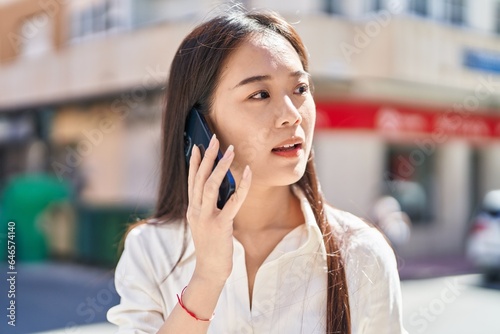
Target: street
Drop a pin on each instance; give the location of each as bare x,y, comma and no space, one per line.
454,304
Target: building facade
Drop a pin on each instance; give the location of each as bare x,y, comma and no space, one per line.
407,93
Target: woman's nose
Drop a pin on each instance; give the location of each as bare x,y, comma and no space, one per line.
288,113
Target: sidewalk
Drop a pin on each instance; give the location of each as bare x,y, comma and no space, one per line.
101,328
54,295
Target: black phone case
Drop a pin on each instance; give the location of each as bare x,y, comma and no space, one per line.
197,132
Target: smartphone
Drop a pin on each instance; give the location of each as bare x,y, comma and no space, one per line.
197,132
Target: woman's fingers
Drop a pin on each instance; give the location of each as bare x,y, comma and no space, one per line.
204,171
194,163
213,183
211,228
204,182
234,203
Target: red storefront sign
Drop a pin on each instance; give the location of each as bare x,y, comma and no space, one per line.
393,119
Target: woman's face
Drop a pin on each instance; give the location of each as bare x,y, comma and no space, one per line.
263,106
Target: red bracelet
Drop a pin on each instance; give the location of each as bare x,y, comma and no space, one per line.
188,311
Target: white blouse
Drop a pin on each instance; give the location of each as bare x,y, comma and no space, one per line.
290,287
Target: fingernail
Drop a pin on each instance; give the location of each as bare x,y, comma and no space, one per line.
246,172
212,141
228,152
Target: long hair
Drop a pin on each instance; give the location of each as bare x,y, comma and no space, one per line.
194,74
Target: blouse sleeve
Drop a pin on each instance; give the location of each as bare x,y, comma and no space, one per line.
377,288
140,309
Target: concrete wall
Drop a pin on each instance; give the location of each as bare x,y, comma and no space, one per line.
350,168
296,7
14,13
482,14
93,68
453,203
384,64
116,151
491,167
90,141
369,53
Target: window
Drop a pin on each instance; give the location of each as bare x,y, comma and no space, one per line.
408,179
353,8
454,11
378,5
497,28
90,19
418,7
476,163
333,6
149,12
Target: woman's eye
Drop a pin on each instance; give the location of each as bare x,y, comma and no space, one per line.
260,95
302,89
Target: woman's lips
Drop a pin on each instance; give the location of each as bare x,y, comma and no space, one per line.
288,151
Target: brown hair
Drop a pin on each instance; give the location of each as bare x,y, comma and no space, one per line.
194,74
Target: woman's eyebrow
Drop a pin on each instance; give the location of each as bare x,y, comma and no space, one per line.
300,73
255,78
258,78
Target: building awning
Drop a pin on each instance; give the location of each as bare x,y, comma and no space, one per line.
400,119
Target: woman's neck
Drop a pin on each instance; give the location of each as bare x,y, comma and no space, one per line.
268,208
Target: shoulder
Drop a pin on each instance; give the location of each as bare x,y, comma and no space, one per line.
158,244
151,230
371,272
359,240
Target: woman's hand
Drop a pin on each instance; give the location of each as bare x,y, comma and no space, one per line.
212,228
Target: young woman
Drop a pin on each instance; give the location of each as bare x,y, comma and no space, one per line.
276,258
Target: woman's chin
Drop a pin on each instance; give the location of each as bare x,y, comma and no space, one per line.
283,179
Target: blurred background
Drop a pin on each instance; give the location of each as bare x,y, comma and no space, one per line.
407,137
